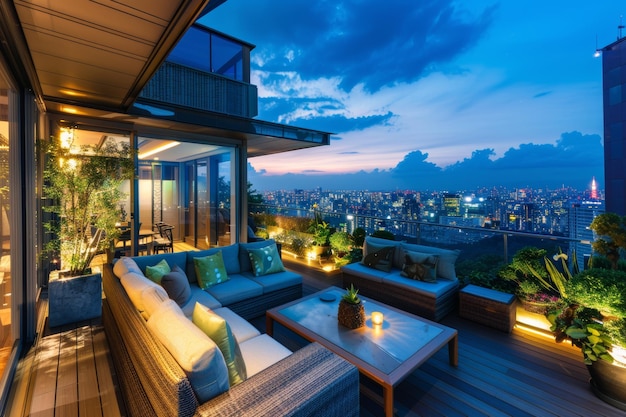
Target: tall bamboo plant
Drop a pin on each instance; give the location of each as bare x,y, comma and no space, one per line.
83,185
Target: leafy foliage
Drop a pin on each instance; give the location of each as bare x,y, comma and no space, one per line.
358,236
384,234
611,231
83,187
352,295
583,326
341,242
602,289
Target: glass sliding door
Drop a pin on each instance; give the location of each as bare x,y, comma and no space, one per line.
196,195
7,329
203,206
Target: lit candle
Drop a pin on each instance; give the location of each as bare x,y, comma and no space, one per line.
377,317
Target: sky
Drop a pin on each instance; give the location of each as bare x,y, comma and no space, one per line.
429,94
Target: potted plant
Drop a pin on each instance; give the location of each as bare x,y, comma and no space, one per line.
83,186
595,322
351,310
321,232
540,283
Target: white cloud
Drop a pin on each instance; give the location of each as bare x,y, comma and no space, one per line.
446,116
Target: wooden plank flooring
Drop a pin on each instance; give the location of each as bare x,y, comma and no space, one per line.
73,375
499,374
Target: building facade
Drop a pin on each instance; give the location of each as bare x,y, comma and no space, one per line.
614,104
178,92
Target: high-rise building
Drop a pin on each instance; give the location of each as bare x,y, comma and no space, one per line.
580,217
614,104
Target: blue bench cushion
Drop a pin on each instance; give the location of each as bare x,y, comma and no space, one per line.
275,281
436,289
237,288
489,294
366,272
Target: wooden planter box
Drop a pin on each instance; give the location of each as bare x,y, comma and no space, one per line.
489,307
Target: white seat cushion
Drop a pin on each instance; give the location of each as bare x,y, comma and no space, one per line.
242,329
195,352
261,352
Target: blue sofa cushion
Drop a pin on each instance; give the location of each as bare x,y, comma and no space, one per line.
237,288
363,271
276,281
434,289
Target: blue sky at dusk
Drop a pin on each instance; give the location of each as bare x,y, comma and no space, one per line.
431,94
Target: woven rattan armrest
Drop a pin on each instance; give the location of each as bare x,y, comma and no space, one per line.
312,381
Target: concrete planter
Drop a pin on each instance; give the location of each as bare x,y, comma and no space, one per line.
74,299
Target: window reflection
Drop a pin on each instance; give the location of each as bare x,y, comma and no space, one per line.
6,333
210,52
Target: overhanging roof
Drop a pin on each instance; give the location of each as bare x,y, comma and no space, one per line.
92,58
156,119
97,52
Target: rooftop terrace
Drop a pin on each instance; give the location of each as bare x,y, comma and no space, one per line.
518,374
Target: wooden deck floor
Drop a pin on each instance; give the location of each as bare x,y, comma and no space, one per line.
521,374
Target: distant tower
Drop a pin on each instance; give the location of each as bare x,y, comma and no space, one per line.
594,189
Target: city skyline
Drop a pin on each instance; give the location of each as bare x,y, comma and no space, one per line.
437,91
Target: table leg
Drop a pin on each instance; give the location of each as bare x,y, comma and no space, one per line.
453,350
269,325
388,400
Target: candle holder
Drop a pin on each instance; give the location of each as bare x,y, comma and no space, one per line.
377,318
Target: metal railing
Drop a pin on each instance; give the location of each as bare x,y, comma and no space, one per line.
471,240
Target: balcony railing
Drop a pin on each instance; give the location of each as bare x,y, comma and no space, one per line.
184,86
474,242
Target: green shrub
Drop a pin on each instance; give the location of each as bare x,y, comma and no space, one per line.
358,236
601,289
341,242
384,234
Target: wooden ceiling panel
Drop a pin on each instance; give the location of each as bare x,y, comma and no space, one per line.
107,49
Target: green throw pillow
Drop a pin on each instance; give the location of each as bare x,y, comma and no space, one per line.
265,260
219,331
156,272
420,266
210,270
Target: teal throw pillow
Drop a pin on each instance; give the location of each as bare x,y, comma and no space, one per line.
156,272
382,259
265,260
219,331
210,270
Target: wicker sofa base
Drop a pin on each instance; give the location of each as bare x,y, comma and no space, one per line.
312,381
423,305
489,307
257,306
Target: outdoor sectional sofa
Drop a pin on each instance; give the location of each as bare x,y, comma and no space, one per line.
167,366
379,276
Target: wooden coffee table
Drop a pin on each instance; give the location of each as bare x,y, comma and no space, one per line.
385,353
